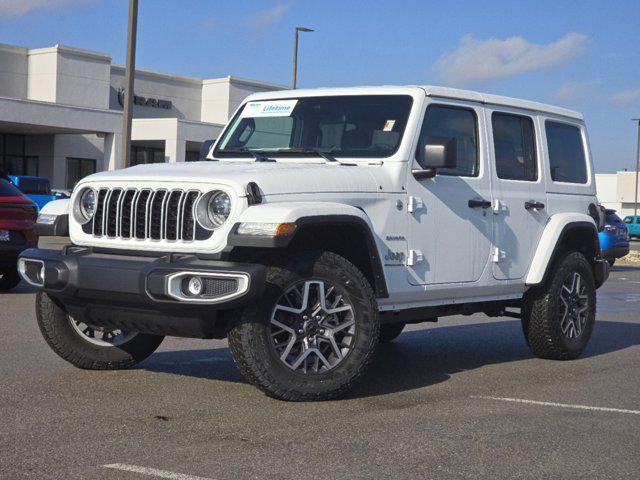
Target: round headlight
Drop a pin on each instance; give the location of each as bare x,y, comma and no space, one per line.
87,205
218,208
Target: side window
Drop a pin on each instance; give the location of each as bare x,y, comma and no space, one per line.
628,220
452,122
514,145
567,159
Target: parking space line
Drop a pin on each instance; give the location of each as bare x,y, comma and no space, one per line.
152,472
558,405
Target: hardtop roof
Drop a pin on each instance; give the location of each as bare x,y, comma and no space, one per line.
429,90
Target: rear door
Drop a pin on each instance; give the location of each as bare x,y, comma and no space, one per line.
519,205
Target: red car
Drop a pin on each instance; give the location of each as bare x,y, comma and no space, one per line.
17,230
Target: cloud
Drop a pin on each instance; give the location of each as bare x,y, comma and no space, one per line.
625,97
17,8
482,60
270,16
576,92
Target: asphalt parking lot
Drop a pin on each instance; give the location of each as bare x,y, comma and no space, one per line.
460,399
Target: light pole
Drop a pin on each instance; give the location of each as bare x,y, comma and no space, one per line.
129,75
635,199
295,54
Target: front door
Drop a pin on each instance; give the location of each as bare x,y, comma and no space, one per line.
450,215
519,208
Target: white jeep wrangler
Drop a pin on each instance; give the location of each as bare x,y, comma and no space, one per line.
324,221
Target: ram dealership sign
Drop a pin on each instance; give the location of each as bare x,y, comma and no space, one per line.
145,101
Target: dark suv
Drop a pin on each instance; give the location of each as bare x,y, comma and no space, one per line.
17,230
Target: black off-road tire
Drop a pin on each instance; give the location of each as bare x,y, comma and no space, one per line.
249,340
63,339
390,331
542,311
9,280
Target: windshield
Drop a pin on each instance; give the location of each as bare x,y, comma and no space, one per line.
350,126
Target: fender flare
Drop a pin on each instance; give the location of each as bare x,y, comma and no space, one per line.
554,232
305,214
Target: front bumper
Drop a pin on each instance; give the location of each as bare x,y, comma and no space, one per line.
144,294
615,252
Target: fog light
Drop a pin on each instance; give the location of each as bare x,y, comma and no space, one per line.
194,287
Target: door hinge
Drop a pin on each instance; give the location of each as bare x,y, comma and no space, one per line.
415,257
498,206
414,203
498,255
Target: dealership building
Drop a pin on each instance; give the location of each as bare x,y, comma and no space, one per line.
618,191
61,113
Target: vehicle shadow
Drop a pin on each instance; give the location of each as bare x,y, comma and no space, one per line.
416,359
625,268
22,288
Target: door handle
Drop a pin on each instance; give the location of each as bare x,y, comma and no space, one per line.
479,204
533,205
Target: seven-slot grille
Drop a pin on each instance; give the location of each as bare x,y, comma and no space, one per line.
145,214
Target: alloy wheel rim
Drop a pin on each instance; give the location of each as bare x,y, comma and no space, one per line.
100,336
312,327
576,306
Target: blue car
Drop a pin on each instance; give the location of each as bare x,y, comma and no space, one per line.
37,189
633,225
614,239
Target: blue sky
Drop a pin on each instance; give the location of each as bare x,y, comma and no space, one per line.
584,55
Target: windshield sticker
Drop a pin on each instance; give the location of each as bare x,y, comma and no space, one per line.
277,108
388,125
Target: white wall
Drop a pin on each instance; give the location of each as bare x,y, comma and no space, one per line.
41,84
77,146
13,71
41,146
69,76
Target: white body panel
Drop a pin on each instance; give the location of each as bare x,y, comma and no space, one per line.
56,207
548,242
442,252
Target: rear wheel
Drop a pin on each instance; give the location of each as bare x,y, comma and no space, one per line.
9,279
314,331
559,317
87,346
390,331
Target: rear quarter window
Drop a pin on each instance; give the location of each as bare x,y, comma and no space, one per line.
567,159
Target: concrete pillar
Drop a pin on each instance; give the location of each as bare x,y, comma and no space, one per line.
112,147
175,150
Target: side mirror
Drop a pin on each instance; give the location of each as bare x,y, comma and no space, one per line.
205,148
438,153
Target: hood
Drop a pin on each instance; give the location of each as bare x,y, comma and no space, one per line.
273,178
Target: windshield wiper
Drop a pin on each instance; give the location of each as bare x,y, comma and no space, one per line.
326,154
259,155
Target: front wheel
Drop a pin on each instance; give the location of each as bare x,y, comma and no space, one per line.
558,317
90,347
314,331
